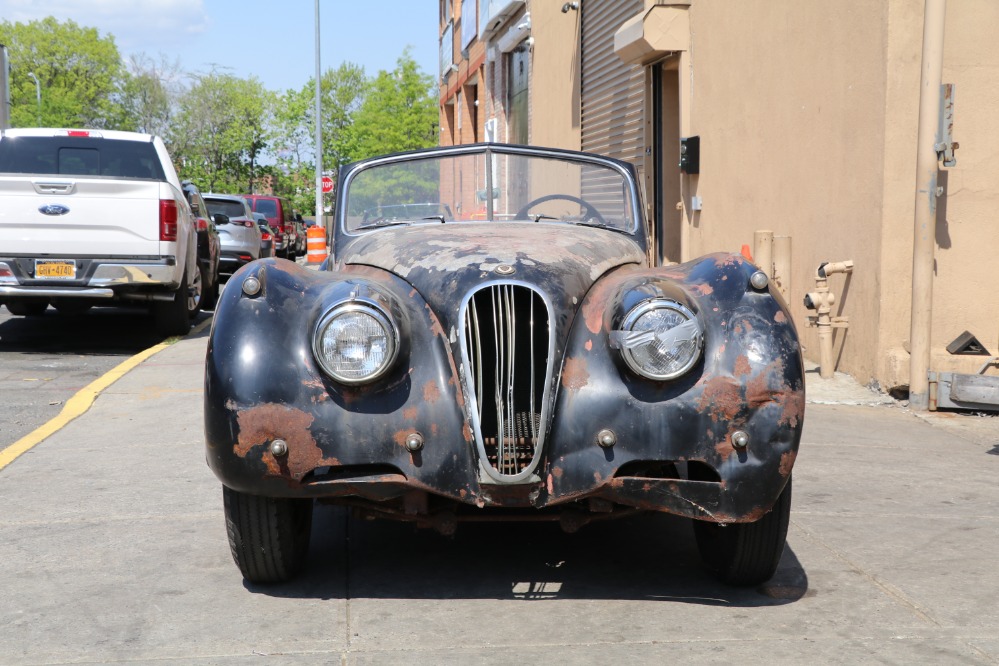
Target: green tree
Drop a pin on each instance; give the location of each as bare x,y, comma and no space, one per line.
220,130
399,111
342,94
150,94
80,74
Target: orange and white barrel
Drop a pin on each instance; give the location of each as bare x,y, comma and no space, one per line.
316,250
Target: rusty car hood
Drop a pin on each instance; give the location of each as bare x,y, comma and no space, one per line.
445,262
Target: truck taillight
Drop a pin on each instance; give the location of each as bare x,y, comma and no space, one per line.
168,220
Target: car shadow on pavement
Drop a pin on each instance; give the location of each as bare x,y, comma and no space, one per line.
645,557
101,331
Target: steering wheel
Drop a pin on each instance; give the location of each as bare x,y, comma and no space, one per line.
589,212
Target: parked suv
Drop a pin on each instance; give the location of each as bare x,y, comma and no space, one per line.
239,232
278,212
209,246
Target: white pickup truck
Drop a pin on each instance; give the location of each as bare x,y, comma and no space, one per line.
92,217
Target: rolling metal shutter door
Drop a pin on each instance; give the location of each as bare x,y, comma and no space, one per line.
613,93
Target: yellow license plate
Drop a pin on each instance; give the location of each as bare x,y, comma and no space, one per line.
65,270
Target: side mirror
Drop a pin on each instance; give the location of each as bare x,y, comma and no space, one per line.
220,218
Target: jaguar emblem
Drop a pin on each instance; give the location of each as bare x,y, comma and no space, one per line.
53,209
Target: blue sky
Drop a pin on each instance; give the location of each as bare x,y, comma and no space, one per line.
272,40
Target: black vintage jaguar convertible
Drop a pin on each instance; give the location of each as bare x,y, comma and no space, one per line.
488,338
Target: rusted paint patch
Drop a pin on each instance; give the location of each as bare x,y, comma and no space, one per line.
721,398
787,462
431,393
410,413
466,432
742,367
589,345
265,423
758,391
792,408
702,288
575,374
779,317
399,437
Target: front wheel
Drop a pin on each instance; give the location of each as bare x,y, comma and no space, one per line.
210,289
746,553
268,536
194,292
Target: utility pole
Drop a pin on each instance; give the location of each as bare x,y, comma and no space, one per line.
38,95
319,128
4,88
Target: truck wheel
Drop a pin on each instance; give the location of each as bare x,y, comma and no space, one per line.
27,308
210,294
746,553
268,536
194,293
173,317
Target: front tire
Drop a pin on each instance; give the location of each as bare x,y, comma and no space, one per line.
210,295
194,294
268,536
746,554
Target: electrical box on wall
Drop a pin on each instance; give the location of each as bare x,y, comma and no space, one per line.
690,154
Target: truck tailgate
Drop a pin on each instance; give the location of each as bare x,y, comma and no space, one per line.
59,215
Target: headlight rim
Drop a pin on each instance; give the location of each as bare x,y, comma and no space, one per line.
378,313
659,303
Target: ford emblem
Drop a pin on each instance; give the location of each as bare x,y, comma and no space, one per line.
53,209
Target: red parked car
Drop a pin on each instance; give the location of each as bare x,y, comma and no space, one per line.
279,216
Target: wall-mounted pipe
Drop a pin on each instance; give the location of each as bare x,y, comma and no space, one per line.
822,300
924,223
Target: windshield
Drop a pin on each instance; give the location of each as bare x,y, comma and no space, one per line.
445,188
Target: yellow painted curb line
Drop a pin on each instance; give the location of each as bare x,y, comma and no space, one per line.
83,399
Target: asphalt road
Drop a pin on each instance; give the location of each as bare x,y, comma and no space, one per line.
45,360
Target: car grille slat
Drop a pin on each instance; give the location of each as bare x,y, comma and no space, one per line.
507,349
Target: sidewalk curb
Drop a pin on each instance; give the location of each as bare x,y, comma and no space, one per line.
83,399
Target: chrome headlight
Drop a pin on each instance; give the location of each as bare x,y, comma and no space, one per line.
355,343
661,339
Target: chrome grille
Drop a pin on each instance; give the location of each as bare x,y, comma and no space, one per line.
507,349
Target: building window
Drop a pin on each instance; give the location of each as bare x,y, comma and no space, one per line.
519,65
469,27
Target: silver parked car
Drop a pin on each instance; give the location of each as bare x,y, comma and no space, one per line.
240,235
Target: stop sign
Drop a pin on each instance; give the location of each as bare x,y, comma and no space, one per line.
327,184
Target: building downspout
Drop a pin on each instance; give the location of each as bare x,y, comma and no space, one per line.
924,226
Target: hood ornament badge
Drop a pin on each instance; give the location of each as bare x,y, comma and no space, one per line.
505,269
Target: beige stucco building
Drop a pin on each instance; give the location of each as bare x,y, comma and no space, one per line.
807,116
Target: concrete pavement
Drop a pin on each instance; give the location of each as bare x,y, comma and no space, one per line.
114,551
